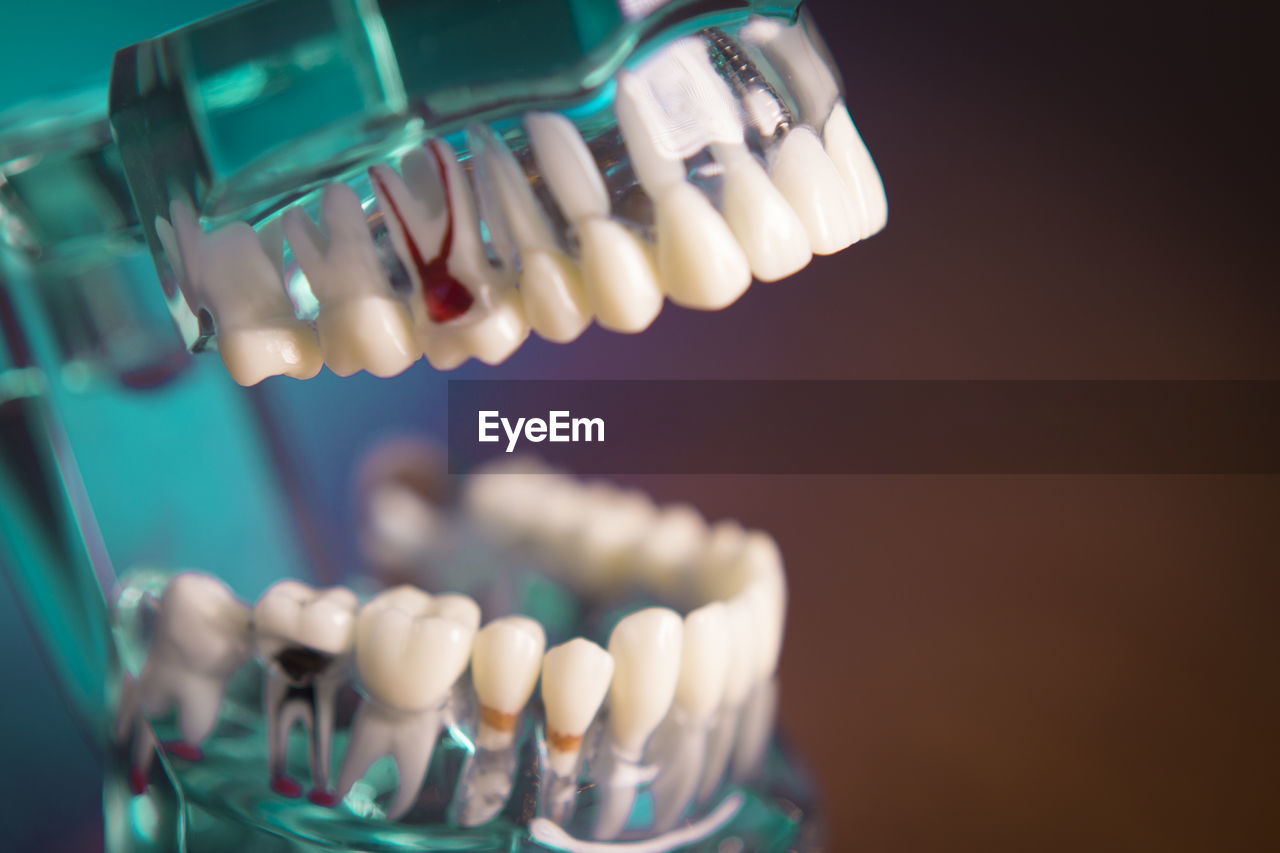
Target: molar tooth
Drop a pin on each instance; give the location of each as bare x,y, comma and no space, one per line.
550,285
810,182
504,666
362,325
646,648
229,272
411,648
618,278
575,679
854,162
700,264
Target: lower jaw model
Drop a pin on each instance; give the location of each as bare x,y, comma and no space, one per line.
631,704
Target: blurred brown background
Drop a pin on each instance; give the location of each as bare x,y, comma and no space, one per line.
1027,663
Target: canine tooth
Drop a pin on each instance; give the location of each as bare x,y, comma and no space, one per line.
618,278
854,162
504,666
700,264
362,326
229,272
575,679
304,635
769,231
568,166
810,182
201,638
645,647
410,650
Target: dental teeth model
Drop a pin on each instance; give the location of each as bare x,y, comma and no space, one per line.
701,162
677,706
201,638
304,637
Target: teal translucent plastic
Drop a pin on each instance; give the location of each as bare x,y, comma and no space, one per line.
249,111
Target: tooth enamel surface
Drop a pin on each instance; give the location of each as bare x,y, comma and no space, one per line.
504,666
618,276
408,652
771,234
854,162
575,679
612,522
490,333
744,656
554,300
667,552
361,326
568,167
807,178
292,613
230,272
646,649
765,582
706,649
458,608
700,263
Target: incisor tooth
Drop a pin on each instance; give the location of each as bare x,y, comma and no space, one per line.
704,661
769,231
810,182
852,158
646,648
554,300
504,666
575,679
618,276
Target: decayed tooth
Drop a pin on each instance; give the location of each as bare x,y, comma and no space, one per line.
646,649
699,692
410,650
618,278
362,325
852,158
771,234
550,284
504,666
575,679
304,635
700,264
231,272
812,185
463,306
201,638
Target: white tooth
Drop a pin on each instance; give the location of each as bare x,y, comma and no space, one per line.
362,325
201,638
410,650
765,582
575,679
292,613
554,300
618,278
646,649
504,667
490,334
230,272
611,524
739,675
715,571
411,647
793,56
667,553
769,231
568,167
811,183
857,168
705,661
755,728
501,498
700,264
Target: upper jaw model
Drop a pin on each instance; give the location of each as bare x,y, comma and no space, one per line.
663,717
448,217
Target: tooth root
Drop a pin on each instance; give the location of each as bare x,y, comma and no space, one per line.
677,782
618,276
362,326
755,731
854,162
554,300
228,271
504,665
771,234
646,649
410,740
809,181
720,742
575,679
808,77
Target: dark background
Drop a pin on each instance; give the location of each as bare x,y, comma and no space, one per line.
1080,191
